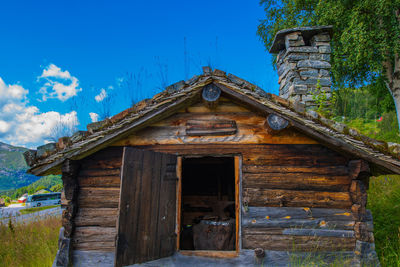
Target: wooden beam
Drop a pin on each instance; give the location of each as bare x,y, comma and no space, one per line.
178,202
237,201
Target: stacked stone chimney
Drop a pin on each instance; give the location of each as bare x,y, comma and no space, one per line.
303,63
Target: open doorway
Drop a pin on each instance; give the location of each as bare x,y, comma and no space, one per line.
208,204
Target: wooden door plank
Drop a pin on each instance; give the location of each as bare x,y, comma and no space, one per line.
146,221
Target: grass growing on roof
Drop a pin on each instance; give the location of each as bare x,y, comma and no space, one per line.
26,245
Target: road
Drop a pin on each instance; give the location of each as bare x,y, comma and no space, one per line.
13,212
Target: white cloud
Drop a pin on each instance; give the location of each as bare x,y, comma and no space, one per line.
59,84
100,97
56,72
24,125
4,126
94,116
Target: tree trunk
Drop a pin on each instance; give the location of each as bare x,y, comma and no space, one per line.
392,69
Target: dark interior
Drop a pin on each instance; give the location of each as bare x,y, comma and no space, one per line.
208,204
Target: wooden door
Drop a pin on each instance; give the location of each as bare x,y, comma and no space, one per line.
146,224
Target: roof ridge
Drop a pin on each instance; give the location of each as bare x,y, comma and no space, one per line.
174,92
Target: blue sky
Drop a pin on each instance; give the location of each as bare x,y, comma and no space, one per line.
67,62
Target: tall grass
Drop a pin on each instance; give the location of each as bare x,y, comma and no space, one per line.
384,203
33,244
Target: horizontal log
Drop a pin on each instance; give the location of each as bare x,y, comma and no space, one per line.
211,127
297,223
259,239
293,198
94,246
92,197
106,163
103,217
297,181
319,232
99,172
99,181
94,234
298,213
306,170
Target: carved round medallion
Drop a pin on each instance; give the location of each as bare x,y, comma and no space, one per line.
276,122
211,93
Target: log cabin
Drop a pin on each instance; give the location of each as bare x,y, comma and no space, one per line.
215,167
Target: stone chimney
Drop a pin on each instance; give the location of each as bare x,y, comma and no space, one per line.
303,63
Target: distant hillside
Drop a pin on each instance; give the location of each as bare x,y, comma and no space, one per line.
44,182
13,168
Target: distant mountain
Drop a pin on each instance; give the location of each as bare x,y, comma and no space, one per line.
13,168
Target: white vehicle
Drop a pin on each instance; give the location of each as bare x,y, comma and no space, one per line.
43,200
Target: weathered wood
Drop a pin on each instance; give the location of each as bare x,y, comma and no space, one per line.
275,123
210,127
30,157
363,233
94,234
103,246
103,217
358,193
210,95
289,170
209,253
98,197
148,201
265,239
99,172
292,198
319,232
297,223
299,213
297,243
106,163
358,169
99,181
297,181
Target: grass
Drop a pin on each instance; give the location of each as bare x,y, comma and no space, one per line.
33,244
36,209
384,203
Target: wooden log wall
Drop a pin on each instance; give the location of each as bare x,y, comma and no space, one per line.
286,169
302,179
98,199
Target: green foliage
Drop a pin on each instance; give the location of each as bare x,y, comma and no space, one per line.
57,188
366,33
384,203
362,108
322,101
44,182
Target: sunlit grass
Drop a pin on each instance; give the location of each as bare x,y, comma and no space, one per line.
36,209
33,244
384,203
